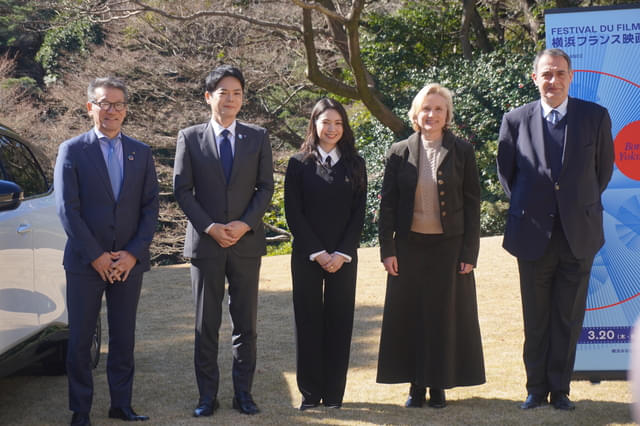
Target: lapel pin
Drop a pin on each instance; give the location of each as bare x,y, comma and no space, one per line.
131,156
240,136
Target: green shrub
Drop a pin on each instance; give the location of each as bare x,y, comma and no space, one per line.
24,84
75,36
493,217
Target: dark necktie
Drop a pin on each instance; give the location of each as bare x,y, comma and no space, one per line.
327,161
554,117
114,168
226,156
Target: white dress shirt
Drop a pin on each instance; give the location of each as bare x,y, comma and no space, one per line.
562,109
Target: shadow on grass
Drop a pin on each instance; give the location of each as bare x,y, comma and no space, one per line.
468,411
165,387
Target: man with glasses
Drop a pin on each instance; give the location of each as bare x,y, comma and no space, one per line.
106,194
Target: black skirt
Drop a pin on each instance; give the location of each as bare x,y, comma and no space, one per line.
430,331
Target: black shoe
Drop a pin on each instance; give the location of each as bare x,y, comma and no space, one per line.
206,409
243,402
437,398
533,400
126,413
561,401
308,405
417,396
336,405
80,419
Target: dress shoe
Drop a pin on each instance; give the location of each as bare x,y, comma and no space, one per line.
206,409
533,400
437,398
308,405
335,405
417,396
126,413
80,419
561,401
243,402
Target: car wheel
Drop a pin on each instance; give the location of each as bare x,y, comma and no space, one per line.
96,341
56,364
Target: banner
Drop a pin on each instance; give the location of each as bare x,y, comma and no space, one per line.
604,46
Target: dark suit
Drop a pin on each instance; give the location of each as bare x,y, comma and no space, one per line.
95,222
554,228
204,195
324,212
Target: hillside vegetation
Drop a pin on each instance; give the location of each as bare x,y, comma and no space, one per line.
292,53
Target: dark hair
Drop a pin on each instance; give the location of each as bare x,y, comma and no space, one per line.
110,82
214,77
551,52
347,146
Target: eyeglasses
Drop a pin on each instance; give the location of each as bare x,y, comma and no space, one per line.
118,106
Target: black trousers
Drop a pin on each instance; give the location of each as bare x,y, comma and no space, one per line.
323,305
84,299
208,280
554,294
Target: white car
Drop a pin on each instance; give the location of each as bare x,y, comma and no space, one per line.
33,308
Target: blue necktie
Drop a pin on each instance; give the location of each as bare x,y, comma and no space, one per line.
554,117
114,168
226,156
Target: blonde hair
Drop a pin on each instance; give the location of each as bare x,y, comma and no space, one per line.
418,101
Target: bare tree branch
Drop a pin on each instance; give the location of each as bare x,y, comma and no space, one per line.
344,36
122,9
329,12
313,71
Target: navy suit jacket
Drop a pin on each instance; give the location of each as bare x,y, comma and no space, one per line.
95,222
205,197
525,175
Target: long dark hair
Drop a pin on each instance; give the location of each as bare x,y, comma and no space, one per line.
347,145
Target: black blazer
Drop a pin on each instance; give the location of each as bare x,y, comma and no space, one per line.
587,166
205,197
458,194
323,213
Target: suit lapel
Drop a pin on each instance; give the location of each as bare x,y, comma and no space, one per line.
536,136
209,148
413,143
94,153
241,148
569,143
129,158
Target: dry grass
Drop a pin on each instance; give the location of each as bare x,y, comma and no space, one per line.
165,386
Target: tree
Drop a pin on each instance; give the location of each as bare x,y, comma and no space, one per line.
341,30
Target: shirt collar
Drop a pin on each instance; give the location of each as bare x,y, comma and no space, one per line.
562,108
334,154
101,135
217,128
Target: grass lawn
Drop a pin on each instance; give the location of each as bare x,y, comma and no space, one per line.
165,386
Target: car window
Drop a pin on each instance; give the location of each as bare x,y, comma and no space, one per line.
19,165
